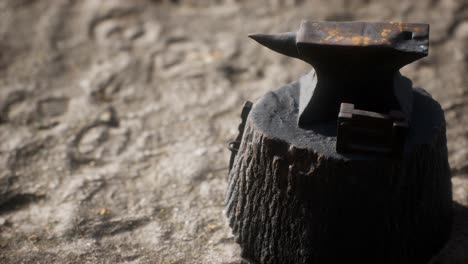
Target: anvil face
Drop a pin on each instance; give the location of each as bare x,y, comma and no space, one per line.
373,45
404,37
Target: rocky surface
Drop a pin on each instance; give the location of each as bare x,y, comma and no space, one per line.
115,116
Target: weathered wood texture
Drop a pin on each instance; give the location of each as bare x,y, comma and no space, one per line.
292,199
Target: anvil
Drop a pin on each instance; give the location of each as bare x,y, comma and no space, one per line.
355,62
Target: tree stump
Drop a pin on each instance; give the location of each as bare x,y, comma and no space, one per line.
293,199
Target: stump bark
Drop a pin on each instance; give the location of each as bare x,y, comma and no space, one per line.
293,199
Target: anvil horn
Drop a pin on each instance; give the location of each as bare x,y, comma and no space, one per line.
284,43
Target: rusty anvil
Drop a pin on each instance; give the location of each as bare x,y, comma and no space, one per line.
356,64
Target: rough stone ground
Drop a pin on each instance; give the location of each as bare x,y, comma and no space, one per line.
115,115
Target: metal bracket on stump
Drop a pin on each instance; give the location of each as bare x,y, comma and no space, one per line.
234,145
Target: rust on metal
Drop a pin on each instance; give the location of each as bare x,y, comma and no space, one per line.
394,35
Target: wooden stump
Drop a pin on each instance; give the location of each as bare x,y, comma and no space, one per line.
293,199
